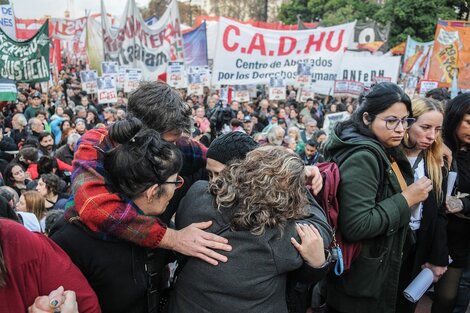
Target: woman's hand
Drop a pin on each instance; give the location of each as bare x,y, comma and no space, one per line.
437,271
311,247
57,301
454,204
314,179
418,191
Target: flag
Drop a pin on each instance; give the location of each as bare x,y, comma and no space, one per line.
195,46
8,90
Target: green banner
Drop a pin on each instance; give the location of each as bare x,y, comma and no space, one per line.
26,61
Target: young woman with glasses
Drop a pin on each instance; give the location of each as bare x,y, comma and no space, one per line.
143,168
427,247
374,198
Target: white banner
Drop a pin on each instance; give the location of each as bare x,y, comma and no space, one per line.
139,46
364,68
107,90
7,20
250,55
89,81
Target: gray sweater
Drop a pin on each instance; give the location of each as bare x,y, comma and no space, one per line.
254,278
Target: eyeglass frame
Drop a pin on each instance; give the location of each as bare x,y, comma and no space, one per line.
390,119
179,180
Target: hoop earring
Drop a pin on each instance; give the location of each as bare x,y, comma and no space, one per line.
406,141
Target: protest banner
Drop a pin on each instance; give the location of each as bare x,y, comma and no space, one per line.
26,61
7,19
106,90
195,85
249,55
305,93
89,81
8,91
427,85
360,68
416,57
277,88
175,75
137,45
348,88
241,93
132,79
332,119
451,54
410,86
304,74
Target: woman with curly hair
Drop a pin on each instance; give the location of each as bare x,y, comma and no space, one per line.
255,203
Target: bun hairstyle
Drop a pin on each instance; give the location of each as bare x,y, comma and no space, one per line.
141,158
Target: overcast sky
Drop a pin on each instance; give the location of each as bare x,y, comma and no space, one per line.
56,8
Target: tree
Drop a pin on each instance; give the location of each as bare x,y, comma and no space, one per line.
416,18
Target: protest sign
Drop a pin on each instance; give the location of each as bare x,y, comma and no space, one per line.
204,73
137,45
109,68
175,75
348,88
26,61
304,74
132,79
120,77
332,119
249,55
427,85
410,86
195,86
241,93
360,68
277,88
305,93
107,90
89,81
381,79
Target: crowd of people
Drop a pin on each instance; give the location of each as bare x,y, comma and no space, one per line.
124,193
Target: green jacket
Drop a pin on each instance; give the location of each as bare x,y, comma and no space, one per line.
374,212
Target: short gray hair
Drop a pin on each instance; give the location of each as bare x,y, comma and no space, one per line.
72,139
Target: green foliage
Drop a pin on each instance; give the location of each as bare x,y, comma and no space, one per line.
416,18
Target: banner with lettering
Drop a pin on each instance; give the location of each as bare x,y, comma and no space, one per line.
364,69
451,54
137,45
26,61
7,19
416,58
249,55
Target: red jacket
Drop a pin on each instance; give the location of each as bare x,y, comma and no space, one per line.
36,266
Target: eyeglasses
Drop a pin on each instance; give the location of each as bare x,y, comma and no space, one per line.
392,122
178,183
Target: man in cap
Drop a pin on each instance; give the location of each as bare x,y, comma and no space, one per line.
35,106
